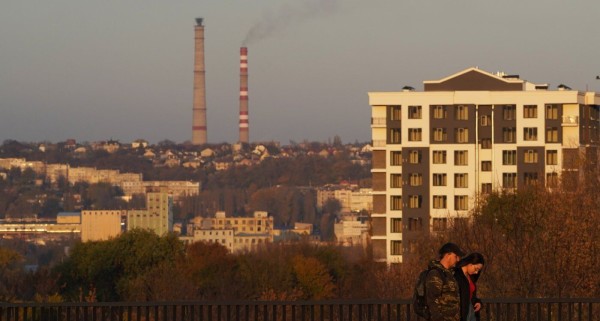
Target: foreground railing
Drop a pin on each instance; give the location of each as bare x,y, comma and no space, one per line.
360,310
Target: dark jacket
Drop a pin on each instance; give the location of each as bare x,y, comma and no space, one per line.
441,293
463,286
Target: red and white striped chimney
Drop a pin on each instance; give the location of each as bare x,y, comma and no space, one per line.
244,130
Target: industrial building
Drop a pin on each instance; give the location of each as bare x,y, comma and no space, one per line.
436,151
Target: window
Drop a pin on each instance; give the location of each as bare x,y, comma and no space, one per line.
486,188
531,156
486,120
509,112
552,135
414,134
461,180
396,158
414,112
552,179
395,136
509,134
551,157
439,157
486,143
396,202
414,157
509,180
486,166
396,180
461,202
531,179
439,224
530,111
416,179
396,247
461,157
462,112
462,135
396,225
530,133
509,157
415,224
414,201
551,111
440,135
395,112
440,112
439,201
439,179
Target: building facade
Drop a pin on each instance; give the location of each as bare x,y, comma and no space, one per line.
435,152
235,233
101,225
157,217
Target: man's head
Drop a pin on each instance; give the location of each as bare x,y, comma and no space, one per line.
450,254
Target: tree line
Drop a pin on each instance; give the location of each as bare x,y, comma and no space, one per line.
537,243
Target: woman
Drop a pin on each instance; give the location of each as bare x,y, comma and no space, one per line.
466,273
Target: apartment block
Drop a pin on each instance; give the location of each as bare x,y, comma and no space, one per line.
351,198
177,189
437,151
235,233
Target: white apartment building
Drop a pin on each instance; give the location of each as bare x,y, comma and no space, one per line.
436,151
352,199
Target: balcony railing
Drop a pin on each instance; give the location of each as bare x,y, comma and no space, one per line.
570,120
360,310
378,121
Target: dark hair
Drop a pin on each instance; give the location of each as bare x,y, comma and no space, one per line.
473,258
450,248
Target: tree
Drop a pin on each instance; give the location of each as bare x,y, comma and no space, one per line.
112,269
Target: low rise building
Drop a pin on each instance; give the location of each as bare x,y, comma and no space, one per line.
235,233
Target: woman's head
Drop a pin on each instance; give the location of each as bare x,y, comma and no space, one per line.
472,264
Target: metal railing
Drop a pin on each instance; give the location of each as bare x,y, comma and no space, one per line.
360,310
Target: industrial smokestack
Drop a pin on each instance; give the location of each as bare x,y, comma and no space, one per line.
199,108
244,130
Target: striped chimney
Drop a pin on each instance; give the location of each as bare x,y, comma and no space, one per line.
244,130
199,107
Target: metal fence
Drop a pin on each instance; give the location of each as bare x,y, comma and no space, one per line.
361,310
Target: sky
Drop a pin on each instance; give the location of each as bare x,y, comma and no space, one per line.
98,70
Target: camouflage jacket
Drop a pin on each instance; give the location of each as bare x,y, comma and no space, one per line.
441,292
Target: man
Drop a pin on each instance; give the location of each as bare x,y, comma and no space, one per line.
442,295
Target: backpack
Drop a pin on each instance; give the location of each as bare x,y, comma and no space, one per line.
419,302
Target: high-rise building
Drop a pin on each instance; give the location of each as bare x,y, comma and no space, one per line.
437,151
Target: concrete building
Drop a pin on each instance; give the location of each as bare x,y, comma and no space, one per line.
157,217
177,189
101,225
436,151
351,198
352,230
235,233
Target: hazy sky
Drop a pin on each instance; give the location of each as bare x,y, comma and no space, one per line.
95,70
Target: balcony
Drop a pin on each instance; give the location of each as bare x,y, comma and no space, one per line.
379,143
378,122
570,121
580,309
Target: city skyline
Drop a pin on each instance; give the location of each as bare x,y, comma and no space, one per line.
97,71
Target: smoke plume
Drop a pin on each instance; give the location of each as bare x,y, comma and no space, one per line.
289,14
